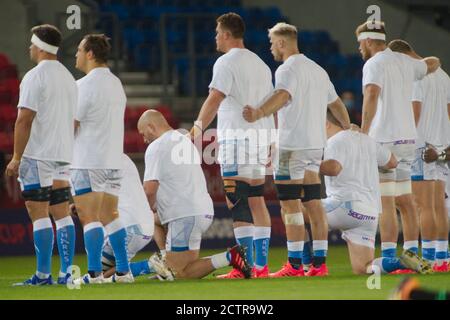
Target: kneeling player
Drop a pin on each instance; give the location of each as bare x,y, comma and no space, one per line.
353,203
175,185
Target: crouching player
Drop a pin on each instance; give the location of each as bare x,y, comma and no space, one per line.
176,188
354,201
137,217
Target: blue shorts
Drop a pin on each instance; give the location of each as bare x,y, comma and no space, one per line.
186,233
36,174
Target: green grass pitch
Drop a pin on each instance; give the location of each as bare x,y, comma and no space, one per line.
340,284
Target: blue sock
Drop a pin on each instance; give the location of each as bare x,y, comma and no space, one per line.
392,264
244,237
140,268
441,250
118,241
93,243
295,253
388,249
65,238
428,250
261,243
43,244
387,265
307,253
320,248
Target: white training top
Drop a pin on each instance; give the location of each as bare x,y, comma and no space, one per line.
360,156
244,79
133,204
174,162
433,92
101,109
395,74
302,121
50,90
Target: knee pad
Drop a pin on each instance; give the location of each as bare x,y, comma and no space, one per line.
256,191
58,196
312,192
289,191
387,189
237,193
39,195
293,219
402,187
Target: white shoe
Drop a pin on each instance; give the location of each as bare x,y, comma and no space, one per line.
163,272
126,278
87,279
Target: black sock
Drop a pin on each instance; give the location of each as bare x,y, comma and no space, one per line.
295,262
318,261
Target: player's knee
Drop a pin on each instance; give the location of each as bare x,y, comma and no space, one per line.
237,193
58,196
311,192
288,192
37,195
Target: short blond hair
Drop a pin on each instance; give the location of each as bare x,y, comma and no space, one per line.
285,30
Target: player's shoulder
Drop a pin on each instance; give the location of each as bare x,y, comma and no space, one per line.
33,74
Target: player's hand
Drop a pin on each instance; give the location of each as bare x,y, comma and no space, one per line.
430,155
12,169
250,114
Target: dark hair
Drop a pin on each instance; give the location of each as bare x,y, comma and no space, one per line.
99,45
371,26
232,22
401,46
48,33
331,118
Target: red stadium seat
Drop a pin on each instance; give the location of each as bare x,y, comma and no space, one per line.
6,142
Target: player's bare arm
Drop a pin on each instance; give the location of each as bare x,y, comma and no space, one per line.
340,112
22,131
330,168
151,188
371,94
207,112
272,105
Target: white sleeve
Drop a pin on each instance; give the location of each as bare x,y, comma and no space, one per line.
332,95
448,91
285,79
84,102
222,79
30,92
372,74
420,69
335,151
383,155
152,164
417,91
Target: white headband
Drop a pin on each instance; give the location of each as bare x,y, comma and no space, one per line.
371,35
43,45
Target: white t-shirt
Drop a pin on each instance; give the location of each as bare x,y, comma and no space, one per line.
359,156
433,92
301,121
133,204
50,90
395,74
244,79
101,109
174,162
